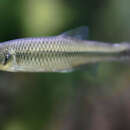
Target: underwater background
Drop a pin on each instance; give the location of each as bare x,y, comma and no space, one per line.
96,97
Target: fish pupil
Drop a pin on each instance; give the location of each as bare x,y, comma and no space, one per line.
7,57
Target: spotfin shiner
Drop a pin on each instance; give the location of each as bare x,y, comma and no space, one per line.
60,53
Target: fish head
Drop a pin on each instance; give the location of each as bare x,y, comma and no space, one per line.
5,58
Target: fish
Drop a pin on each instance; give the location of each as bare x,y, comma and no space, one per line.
60,53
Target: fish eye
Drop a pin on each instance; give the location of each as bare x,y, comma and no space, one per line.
6,58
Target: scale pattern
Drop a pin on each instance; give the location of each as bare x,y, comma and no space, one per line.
47,55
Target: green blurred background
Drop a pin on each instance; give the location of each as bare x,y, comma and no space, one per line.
93,98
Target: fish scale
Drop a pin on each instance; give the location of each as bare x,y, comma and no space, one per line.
37,60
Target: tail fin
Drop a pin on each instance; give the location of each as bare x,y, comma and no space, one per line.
122,47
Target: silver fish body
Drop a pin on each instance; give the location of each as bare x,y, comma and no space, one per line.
55,54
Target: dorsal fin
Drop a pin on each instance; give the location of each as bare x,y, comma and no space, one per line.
80,33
